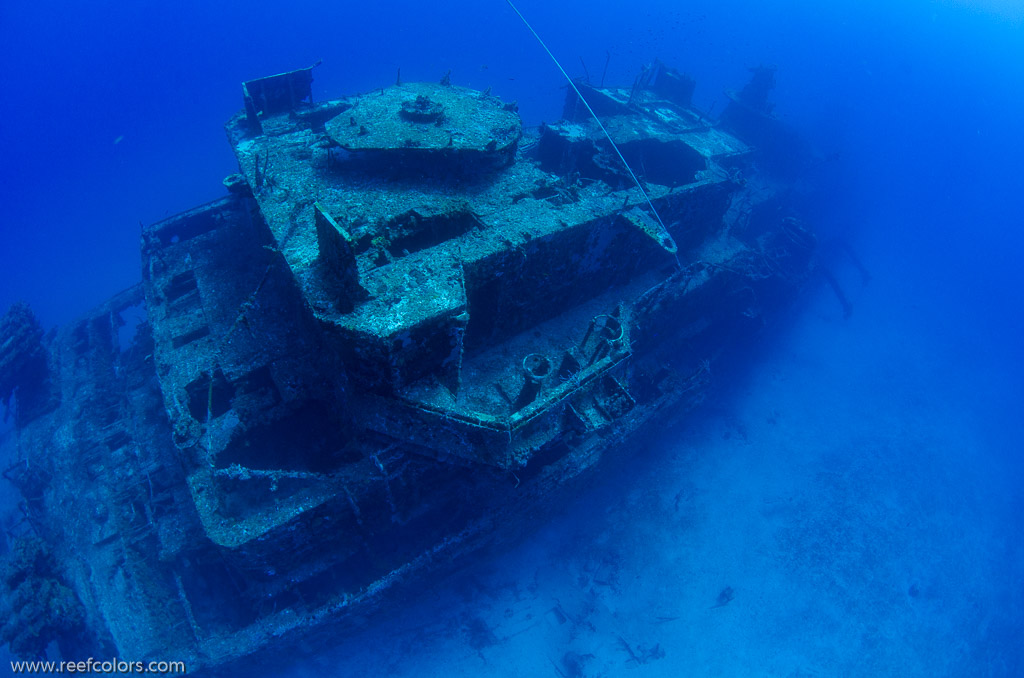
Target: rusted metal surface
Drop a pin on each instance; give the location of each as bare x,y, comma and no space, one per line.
409,325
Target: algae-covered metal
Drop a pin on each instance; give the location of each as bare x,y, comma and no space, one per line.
409,326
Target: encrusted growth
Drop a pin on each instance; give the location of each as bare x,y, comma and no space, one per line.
407,328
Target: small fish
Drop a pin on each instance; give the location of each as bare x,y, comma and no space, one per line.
118,139
724,598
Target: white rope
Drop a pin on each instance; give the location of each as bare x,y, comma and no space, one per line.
596,119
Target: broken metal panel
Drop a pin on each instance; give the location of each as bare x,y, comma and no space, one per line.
337,258
275,94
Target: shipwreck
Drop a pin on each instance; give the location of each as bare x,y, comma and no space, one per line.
408,326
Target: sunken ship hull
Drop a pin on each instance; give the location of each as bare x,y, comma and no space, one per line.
408,329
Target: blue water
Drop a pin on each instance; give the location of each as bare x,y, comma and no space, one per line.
859,488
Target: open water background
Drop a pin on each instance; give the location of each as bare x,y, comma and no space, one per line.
860,488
